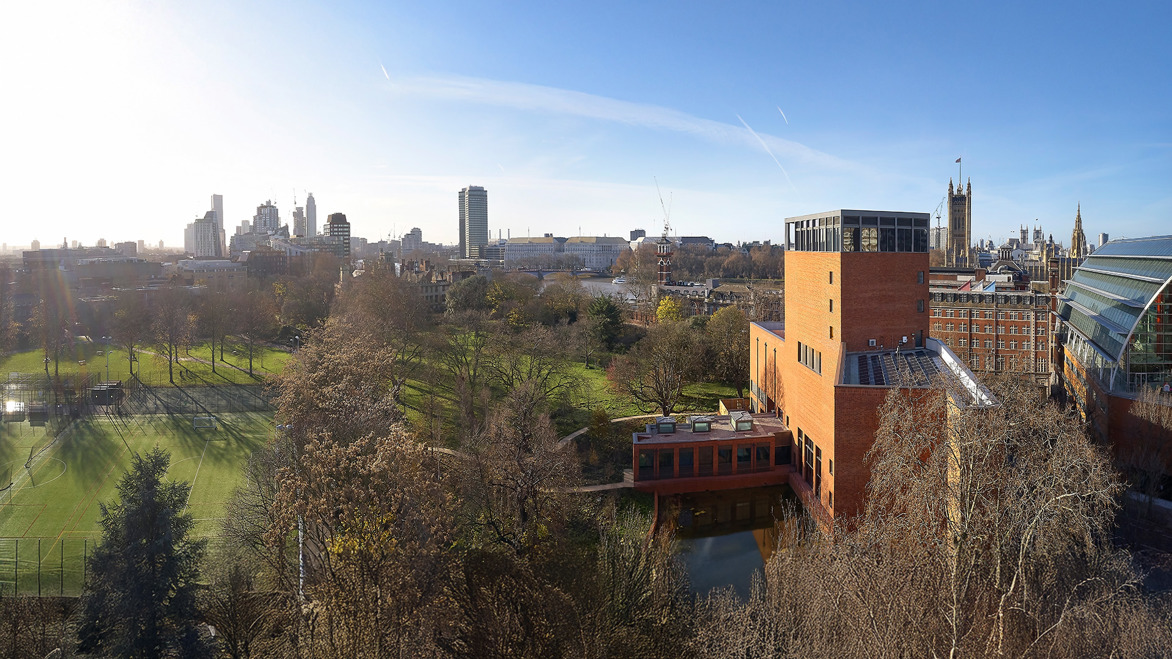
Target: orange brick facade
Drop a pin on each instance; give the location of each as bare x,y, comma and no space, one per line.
834,303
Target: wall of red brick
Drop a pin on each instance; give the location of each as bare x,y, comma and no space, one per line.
879,294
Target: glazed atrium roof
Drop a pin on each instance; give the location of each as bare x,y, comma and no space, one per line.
1117,309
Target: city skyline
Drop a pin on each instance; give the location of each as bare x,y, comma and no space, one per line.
743,118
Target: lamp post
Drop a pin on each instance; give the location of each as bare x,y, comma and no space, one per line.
107,339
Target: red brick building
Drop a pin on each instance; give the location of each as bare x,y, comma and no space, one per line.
994,326
857,324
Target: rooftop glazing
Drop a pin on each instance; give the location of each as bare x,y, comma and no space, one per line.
1116,310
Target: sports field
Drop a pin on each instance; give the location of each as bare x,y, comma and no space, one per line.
52,507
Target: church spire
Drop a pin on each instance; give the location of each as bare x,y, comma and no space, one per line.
1078,239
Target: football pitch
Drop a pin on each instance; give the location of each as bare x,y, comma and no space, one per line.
49,514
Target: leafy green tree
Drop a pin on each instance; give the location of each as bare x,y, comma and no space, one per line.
469,294
606,320
669,310
727,332
140,596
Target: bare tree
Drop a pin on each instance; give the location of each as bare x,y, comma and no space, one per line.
173,324
517,478
986,533
254,318
655,371
533,358
131,325
377,528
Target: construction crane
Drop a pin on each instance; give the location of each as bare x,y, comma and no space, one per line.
666,209
939,208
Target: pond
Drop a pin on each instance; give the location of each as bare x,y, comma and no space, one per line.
724,537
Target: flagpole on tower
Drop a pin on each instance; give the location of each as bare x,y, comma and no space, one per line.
959,173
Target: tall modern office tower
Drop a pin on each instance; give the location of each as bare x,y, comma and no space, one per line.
960,225
473,221
299,222
310,216
266,220
1103,239
338,226
218,207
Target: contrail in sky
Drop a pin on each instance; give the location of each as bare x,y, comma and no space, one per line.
783,115
767,150
380,65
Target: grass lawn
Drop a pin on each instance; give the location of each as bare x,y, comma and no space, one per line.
91,359
54,505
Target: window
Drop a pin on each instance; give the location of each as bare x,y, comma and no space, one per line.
832,274
1000,344
950,313
936,326
666,462
936,312
832,331
1000,315
919,306
832,306
832,467
964,327
1013,345
1013,330
920,277
724,460
829,499
948,327
817,471
964,343
744,458
989,314
686,468
1001,330
988,344
988,329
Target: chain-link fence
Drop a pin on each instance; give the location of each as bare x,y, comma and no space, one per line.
43,566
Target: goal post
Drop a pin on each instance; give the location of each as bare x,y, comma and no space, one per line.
204,422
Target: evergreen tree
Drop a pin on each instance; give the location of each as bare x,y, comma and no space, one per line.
606,321
140,595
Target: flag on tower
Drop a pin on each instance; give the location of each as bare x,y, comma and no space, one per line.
958,160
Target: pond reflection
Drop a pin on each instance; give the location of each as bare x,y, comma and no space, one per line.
724,537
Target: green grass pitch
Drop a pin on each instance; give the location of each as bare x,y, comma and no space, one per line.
52,509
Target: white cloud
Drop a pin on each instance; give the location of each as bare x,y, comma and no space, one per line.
538,98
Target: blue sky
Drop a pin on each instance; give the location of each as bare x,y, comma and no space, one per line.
128,116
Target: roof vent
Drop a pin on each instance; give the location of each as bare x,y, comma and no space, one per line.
742,421
665,425
701,423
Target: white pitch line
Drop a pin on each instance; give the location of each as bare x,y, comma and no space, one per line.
45,454
196,477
